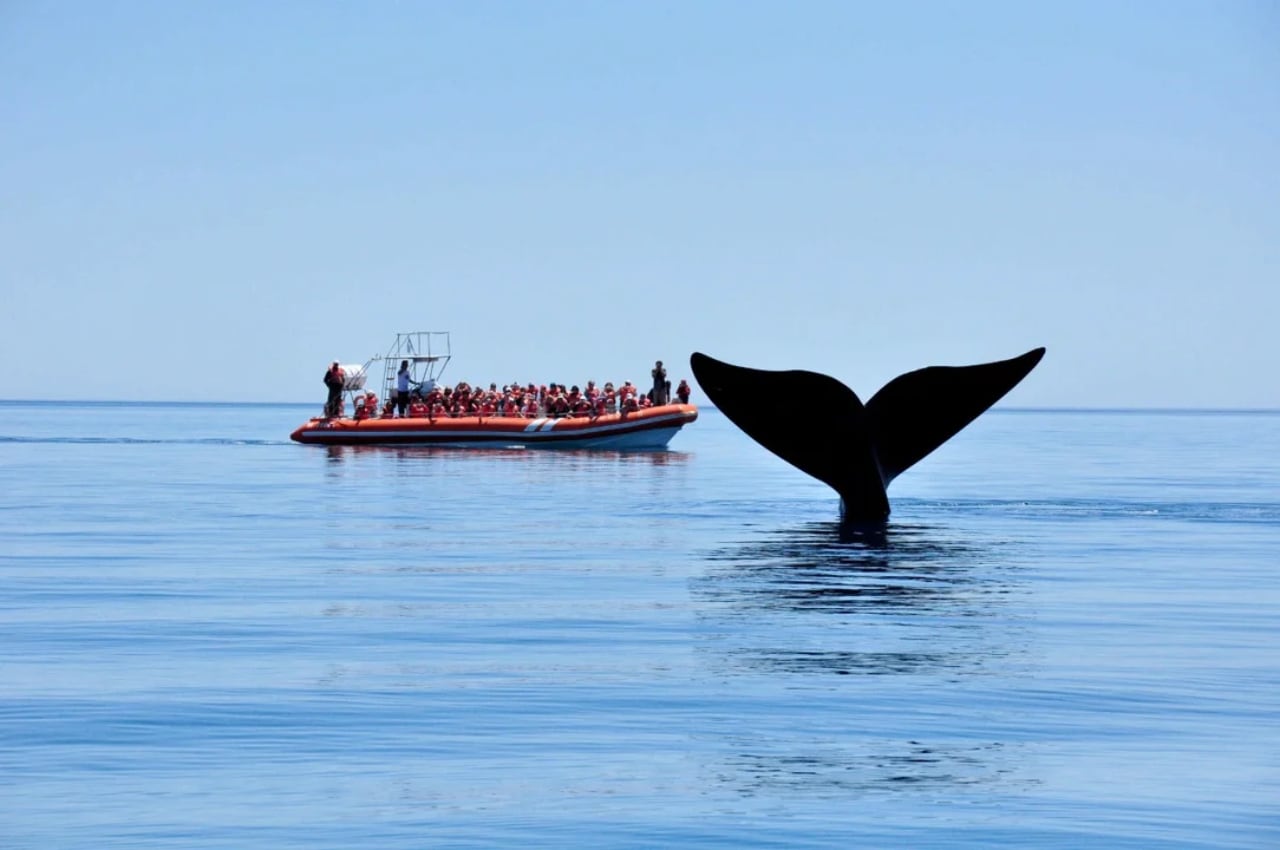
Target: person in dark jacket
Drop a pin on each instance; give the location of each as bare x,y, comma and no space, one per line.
661,391
334,379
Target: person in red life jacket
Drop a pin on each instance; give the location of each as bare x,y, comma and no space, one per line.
334,379
418,408
389,409
558,405
646,401
530,409
573,397
682,391
435,403
597,406
610,398
629,404
485,406
361,411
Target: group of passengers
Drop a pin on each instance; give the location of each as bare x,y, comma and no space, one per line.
515,401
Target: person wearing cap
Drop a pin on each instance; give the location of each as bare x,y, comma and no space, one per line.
334,379
557,405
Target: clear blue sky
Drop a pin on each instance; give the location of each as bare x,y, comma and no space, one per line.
212,200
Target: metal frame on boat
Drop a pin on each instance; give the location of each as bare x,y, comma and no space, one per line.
428,352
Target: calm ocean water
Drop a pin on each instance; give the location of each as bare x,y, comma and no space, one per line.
213,638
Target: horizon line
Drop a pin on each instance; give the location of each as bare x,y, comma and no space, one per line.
997,409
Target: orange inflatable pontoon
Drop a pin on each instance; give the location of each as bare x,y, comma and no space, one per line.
647,428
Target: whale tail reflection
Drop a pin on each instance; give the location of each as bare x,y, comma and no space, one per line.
857,449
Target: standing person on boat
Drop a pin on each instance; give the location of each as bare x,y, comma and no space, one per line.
334,379
402,388
661,386
682,391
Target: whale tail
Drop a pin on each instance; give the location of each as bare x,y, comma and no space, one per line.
821,427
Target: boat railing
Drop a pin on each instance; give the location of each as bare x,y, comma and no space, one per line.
427,353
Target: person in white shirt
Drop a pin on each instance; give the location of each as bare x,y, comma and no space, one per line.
402,388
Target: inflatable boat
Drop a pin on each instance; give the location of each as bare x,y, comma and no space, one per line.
424,354
646,428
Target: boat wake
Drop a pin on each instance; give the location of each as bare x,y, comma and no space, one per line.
135,441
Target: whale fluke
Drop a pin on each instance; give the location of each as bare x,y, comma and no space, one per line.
821,427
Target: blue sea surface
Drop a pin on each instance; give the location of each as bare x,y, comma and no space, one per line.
211,637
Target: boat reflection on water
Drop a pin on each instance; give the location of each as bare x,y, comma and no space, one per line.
417,454
856,625
428,460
